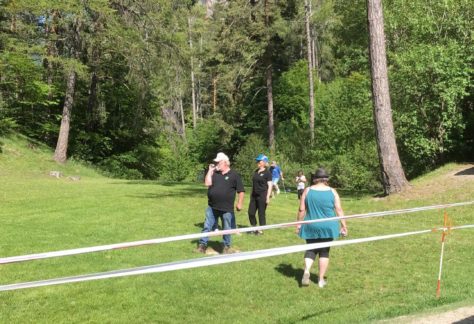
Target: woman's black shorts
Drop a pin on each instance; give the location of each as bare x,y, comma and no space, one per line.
323,252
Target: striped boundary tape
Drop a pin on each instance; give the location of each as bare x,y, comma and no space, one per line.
214,260
46,255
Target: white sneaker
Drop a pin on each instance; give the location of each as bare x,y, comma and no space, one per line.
305,279
322,283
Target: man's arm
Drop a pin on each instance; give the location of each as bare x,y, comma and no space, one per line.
208,178
240,201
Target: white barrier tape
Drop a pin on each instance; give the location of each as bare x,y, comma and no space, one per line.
208,261
46,255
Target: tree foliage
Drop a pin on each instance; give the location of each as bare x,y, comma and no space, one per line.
133,113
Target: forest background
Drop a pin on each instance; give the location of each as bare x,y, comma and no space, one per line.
153,89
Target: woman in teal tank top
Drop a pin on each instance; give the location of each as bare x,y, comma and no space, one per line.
319,201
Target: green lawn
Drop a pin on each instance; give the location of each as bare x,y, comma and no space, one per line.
366,282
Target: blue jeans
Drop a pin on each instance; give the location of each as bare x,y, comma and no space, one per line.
211,221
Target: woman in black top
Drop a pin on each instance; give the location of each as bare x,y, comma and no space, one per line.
261,191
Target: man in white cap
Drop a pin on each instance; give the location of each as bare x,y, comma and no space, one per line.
223,184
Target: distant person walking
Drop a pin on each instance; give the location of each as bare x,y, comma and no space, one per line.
223,184
277,174
300,183
319,201
261,190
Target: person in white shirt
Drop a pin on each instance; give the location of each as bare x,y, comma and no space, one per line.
300,183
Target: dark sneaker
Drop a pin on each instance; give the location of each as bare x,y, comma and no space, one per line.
201,249
305,279
229,250
258,232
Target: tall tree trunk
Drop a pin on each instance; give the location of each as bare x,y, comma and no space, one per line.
269,81
60,154
214,94
92,110
198,92
316,54
209,8
51,51
393,176
310,72
271,126
193,88
181,112
311,34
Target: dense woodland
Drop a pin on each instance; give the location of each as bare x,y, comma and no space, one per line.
153,89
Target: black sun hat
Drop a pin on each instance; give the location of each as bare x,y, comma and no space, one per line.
321,174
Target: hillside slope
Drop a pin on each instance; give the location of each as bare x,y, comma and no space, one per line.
22,157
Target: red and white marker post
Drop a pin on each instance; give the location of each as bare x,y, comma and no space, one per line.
446,228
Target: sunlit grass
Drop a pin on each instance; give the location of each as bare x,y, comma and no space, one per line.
367,282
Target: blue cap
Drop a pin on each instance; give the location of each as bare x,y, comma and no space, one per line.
262,157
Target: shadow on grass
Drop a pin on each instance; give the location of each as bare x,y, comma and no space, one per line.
190,192
290,272
159,183
219,225
215,244
464,172
467,320
347,194
295,273
309,316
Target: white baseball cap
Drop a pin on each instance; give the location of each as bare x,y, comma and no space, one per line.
221,157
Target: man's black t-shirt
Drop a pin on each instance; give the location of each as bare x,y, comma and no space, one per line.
260,181
221,195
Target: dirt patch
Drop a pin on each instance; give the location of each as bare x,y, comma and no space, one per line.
460,177
463,315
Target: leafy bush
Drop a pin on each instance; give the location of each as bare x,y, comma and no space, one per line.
7,125
121,166
427,93
174,162
208,138
356,171
344,131
245,159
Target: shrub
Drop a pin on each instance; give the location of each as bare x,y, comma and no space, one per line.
121,166
245,159
209,137
174,162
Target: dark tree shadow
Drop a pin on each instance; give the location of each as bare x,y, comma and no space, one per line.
288,271
214,242
469,171
199,225
295,273
189,192
219,226
467,320
158,182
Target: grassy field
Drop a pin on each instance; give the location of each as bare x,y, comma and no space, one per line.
366,282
